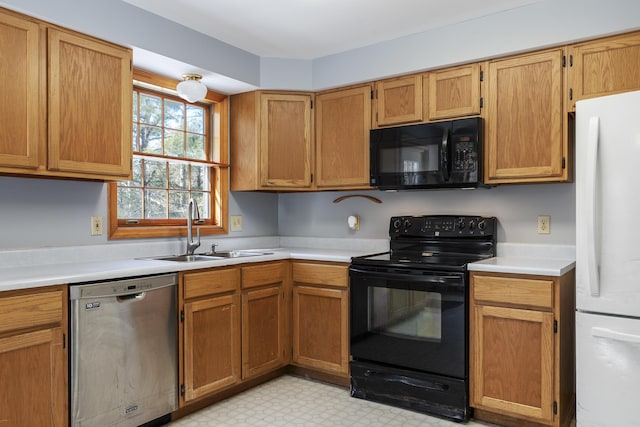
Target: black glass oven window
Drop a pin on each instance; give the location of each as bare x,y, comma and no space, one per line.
405,313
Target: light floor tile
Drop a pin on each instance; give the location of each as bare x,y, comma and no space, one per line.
296,402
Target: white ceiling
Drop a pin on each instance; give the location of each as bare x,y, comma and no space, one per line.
304,29
308,29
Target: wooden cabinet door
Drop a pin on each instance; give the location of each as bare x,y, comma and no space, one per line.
34,379
211,345
263,331
285,141
399,100
90,106
343,121
604,67
20,118
454,92
524,138
320,329
512,362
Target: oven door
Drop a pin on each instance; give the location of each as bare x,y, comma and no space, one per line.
410,318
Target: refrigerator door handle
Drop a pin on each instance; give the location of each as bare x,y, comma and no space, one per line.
599,332
593,263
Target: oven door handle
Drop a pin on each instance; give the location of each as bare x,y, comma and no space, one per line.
439,278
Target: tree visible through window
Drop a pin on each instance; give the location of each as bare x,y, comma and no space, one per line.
173,154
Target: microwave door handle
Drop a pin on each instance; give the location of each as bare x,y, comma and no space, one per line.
446,168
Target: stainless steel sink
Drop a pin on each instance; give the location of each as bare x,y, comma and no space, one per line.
236,254
187,258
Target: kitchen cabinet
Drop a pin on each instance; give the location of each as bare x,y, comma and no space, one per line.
526,129
34,357
271,141
265,343
320,316
343,121
454,92
603,67
522,348
210,334
398,100
68,109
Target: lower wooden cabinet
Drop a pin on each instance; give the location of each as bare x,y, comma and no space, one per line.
320,317
33,357
210,332
522,351
264,338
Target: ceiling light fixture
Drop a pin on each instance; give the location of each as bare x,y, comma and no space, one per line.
191,88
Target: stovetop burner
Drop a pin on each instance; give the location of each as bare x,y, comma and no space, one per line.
445,242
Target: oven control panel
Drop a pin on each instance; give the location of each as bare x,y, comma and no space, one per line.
442,226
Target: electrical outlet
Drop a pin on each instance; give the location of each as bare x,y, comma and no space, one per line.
544,224
96,226
236,222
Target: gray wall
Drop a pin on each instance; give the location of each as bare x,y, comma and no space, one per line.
43,213
516,207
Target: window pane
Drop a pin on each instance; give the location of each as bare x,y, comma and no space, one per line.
136,180
150,109
134,137
155,204
195,119
174,143
178,204
129,202
178,176
155,173
199,177
150,140
195,147
203,203
173,114
135,106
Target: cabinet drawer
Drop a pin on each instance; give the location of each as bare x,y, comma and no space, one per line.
321,274
263,274
28,310
211,282
513,290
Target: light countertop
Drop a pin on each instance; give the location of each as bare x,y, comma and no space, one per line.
524,265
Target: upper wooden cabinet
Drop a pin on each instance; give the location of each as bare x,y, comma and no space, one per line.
81,84
33,357
90,105
454,92
271,141
398,100
20,115
525,137
343,121
603,67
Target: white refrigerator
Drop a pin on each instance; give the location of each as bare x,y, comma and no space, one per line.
608,261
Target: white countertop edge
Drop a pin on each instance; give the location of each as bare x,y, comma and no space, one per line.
524,265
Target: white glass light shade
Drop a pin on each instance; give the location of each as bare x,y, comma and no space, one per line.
191,88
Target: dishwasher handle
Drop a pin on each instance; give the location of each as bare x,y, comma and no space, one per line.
137,296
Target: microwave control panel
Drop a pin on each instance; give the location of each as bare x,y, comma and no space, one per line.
465,155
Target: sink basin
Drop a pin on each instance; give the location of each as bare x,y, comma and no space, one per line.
236,254
187,258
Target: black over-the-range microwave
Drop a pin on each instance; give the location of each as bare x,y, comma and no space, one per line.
427,156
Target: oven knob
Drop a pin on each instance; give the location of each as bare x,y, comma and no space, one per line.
407,224
397,223
472,224
461,224
482,225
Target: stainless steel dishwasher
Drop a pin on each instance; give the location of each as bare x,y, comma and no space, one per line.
124,369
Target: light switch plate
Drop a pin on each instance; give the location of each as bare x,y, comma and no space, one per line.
236,222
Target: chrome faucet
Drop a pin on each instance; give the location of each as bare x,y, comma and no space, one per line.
193,214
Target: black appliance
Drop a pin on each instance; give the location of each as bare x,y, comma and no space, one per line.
427,156
409,314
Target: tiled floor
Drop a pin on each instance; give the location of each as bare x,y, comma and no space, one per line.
292,401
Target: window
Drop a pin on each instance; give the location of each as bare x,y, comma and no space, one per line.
177,155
